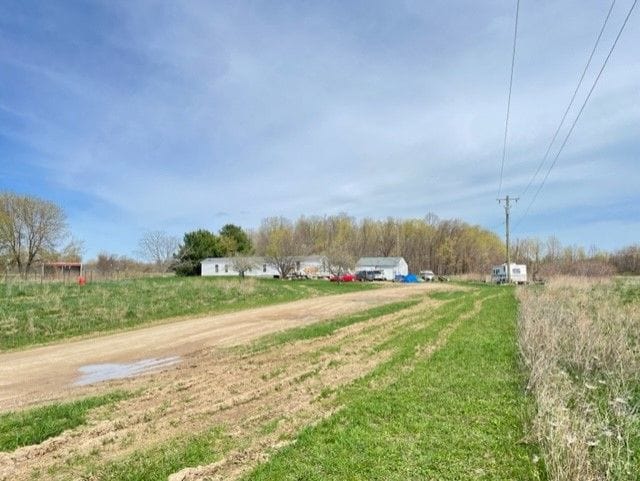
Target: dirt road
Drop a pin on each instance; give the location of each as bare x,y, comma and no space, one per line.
51,372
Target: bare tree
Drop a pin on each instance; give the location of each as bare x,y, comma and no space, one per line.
72,251
29,226
158,247
242,264
388,237
339,260
276,241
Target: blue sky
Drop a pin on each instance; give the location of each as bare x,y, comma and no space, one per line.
172,116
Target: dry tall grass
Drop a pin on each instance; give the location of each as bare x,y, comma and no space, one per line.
580,343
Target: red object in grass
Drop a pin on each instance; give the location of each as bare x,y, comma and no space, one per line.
343,278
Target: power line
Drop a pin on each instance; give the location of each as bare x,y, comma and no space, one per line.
573,97
506,123
595,82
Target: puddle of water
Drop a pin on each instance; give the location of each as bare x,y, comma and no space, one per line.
92,373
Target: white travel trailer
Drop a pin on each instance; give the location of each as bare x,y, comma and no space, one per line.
518,273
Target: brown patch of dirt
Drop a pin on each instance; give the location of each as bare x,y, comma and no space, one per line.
262,398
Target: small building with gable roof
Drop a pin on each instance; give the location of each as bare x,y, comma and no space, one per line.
389,266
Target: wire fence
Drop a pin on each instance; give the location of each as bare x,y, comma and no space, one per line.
75,276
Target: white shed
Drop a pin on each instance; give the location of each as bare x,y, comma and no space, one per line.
389,266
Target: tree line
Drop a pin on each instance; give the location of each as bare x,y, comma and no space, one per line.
444,246
34,230
547,258
448,247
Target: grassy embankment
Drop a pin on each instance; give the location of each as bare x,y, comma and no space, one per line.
580,341
33,313
453,412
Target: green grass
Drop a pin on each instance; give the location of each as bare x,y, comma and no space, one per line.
157,463
34,313
326,328
454,416
629,290
33,426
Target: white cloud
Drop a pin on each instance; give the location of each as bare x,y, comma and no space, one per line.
178,112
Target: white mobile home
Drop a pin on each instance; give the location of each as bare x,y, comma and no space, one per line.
518,273
310,266
224,266
389,266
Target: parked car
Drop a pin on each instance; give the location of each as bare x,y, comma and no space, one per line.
428,276
378,276
343,278
364,275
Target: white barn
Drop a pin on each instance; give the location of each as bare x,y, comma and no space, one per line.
311,266
389,266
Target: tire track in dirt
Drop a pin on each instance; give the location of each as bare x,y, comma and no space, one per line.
239,462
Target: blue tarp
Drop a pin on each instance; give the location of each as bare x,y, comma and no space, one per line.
411,278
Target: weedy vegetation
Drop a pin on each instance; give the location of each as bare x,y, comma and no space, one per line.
33,313
580,342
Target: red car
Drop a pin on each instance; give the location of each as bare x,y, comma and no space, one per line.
343,278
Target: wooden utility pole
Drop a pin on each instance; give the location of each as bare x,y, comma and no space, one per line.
507,208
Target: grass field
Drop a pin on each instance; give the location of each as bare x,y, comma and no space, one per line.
32,313
427,388
445,386
580,341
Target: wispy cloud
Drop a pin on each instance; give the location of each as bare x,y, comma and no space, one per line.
165,115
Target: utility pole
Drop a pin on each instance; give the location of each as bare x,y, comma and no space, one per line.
507,208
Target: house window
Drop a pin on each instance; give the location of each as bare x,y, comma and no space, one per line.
216,267
264,267
226,268
516,271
